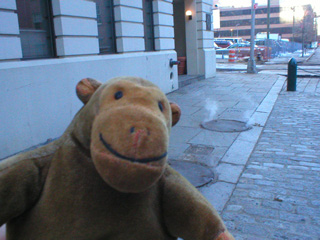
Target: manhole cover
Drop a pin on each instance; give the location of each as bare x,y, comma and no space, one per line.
224,125
198,175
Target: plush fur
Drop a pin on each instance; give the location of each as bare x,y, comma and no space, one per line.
107,176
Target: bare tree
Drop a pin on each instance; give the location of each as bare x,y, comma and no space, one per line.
304,30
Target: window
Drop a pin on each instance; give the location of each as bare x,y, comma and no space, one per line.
248,11
36,30
106,30
148,25
247,22
275,10
235,12
261,10
208,22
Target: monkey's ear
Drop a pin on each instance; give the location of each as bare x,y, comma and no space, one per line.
176,113
85,88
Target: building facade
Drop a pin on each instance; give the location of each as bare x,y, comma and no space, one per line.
47,46
236,22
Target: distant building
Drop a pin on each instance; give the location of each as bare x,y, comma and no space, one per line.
236,22
47,46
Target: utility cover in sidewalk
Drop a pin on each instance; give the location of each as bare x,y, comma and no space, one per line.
197,174
224,125
199,149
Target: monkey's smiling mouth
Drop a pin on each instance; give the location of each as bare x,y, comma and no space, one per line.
141,160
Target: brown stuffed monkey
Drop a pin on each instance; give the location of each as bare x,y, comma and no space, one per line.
107,178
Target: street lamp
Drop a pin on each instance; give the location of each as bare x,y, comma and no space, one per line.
293,15
231,32
251,67
303,31
238,24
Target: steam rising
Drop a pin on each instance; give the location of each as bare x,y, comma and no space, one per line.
212,107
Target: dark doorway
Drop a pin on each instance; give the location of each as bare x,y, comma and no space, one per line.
180,33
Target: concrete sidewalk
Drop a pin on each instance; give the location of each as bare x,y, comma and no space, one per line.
243,97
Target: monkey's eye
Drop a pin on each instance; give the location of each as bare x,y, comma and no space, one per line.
118,95
160,106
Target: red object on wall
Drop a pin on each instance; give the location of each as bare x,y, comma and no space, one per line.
182,65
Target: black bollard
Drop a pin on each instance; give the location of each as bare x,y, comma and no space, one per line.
292,75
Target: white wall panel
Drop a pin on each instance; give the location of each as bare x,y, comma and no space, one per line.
75,26
164,31
204,7
8,4
10,47
163,7
163,19
128,14
205,34
130,44
135,3
164,43
79,8
129,29
67,46
203,43
9,23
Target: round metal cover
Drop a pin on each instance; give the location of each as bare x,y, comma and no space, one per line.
197,174
224,125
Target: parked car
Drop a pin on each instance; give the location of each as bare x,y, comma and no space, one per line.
216,46
233,39
239,45
243,51
223,43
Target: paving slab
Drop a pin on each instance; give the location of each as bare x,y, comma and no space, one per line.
176,149
218,194
229,172
223,152
239,152
250,136
183,134
214,138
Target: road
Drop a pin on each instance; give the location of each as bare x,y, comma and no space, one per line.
277,195
307,66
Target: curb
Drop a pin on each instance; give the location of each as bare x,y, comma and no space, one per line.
311,55
240,151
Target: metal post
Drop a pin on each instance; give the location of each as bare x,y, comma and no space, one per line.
317,16
292,75
315,27
237,25
251,68
293,20
303,35
268,30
